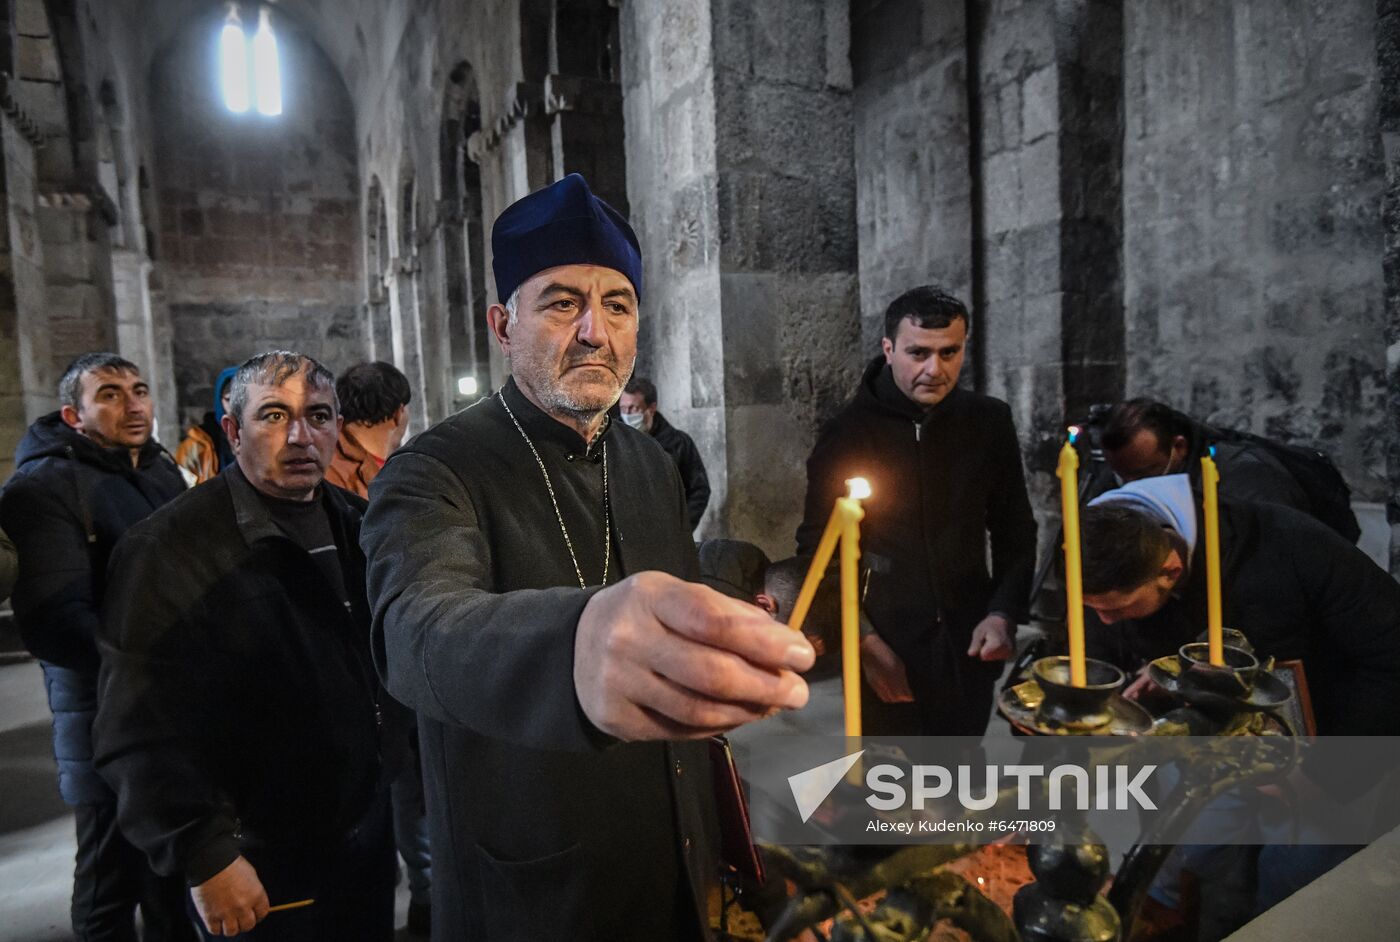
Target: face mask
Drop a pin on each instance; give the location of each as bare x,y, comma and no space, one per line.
1167,469
635,419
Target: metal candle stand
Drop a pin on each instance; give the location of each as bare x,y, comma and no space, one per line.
1234,699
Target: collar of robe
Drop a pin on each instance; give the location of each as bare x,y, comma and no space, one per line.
542,427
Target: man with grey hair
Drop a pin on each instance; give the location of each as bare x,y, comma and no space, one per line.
85,474
528,569
239,717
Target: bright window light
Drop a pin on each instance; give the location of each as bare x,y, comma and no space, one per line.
251,71
233,58
466,385
266,68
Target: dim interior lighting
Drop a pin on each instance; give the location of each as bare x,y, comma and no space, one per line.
266,69
466,386
233,61
859,488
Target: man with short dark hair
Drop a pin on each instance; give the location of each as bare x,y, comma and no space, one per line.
374,400
85,474
1144,438
239,717
1294,587
638,408
944,465
528,566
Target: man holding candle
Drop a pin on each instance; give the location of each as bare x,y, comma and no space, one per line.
239,719
944,467
528,561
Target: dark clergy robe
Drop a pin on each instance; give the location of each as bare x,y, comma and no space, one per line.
541,826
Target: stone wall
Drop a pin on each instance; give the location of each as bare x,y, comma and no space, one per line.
748,226
1388,57
27,386
912,150
672,178
259,217
1253,177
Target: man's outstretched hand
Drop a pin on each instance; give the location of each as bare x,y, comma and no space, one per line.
231,901
656,657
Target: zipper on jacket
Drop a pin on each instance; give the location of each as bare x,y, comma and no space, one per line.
918,430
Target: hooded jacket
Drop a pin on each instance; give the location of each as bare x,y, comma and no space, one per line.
944,481
205,449
65,507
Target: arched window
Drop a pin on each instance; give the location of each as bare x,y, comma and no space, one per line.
250,69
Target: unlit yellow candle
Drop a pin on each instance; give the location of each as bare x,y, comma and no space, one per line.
1068,473
1210,480
830,535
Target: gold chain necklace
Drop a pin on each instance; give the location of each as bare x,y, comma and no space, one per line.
549,486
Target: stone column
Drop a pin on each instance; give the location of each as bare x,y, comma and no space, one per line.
1050,186
28,383
1388,57
740,180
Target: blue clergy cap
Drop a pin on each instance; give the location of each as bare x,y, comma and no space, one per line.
562,224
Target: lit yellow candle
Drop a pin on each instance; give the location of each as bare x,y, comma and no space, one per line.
1068,473
1210,479
843,527
851,515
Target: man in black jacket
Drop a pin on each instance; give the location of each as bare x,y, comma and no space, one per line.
86,473
526,567
1144,438
1297,590
638,408
239,715
945,469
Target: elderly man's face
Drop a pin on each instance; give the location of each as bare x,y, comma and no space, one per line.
574,342
286,437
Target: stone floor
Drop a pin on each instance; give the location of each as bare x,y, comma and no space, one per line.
36,829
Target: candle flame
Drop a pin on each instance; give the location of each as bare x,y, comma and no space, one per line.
859,488
1212,451
1073,434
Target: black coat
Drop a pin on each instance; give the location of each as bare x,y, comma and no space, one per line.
681,448
945,481
237,692
65,507
1297,590
542,827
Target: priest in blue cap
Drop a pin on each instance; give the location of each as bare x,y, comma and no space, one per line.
533,582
